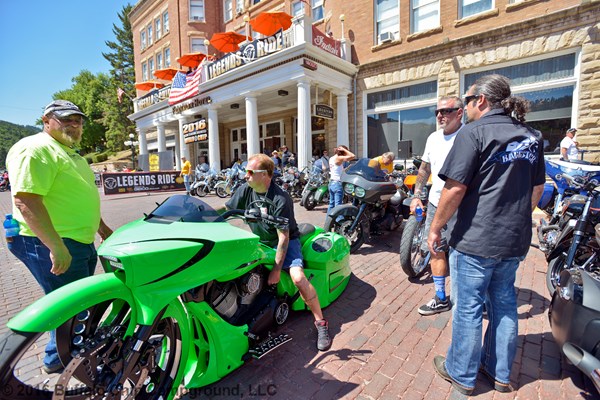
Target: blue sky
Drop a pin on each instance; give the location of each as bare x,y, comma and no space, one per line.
44,44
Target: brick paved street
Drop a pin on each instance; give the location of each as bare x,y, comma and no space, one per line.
382,348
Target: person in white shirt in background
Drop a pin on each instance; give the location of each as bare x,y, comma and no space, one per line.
569,149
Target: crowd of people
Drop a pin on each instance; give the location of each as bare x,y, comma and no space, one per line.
473,190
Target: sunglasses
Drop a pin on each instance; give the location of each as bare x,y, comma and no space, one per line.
470,98
253,171
73,119
445,111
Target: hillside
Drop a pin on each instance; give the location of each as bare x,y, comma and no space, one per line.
11,133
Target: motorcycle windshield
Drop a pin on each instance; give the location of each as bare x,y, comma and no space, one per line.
370,173
183,208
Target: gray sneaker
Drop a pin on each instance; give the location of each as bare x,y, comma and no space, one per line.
323,339
435,306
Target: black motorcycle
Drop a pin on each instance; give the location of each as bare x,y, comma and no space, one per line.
574,316
576,247
376,204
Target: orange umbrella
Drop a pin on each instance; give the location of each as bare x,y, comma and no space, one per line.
167,74
269,22
191,60
227,41
148,85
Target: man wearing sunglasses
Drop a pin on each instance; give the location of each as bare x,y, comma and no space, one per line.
449,115
494,178
57,205
260,188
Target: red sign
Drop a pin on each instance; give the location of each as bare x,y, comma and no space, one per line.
324,42
309,65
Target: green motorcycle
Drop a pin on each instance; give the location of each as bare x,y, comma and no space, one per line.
184,302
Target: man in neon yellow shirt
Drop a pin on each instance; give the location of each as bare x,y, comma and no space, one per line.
57,205
384,162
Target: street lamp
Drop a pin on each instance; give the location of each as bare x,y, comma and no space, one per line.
131,143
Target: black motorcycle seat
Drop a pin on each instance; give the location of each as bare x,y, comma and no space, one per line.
306,231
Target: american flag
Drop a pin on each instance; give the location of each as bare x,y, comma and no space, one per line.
120,93
185,86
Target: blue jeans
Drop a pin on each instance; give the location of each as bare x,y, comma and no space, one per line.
475,280
336,194
36,257
186,182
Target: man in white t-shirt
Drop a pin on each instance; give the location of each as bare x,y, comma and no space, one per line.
568,146
449,114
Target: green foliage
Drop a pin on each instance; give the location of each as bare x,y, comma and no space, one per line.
99,158
11,134
122,75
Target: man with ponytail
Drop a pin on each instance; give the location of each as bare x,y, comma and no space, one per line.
494,177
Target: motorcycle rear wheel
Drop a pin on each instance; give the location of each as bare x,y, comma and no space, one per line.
411,258
308,200
555,267
91,344
341,225
201,191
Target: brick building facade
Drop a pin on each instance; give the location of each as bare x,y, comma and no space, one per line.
397,59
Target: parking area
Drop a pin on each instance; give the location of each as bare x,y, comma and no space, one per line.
382,348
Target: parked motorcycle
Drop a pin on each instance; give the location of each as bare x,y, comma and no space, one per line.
414,260
234,178
574,316
4,184
576,247
555,195
316,190
292,181
376,204
204,182
184,294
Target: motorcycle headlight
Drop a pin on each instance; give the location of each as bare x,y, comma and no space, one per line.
349,188
111,263
359,192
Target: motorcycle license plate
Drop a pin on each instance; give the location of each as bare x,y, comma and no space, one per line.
261,349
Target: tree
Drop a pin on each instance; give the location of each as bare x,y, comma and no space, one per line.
122,75
89,92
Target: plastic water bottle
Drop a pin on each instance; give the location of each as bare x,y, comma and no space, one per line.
419,214
11,228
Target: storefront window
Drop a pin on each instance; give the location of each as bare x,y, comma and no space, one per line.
552,101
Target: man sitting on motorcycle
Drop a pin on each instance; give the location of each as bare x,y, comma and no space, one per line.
260,187
449,114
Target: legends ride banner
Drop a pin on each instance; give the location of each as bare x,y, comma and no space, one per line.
134,182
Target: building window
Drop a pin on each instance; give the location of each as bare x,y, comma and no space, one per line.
425,15
143,39
297,8
549,85
144,72
227,10
165,18
239,6
159,61
167,57
150,66
317,9
197,10
387,14
197,45
157,28
150,37
472,7
407,116
255,1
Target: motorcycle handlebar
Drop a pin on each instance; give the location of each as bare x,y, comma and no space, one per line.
254,215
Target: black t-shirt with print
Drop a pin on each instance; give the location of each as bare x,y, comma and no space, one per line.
283,207
500,160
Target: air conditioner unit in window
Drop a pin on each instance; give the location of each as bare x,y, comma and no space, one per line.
386,37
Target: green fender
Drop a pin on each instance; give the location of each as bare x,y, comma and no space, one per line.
52,310
320,193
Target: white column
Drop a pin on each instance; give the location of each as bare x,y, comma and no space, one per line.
214,148
304,124
143,142
343,136
252,125
180,147
160,136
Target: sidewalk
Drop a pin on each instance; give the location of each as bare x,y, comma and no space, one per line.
382,348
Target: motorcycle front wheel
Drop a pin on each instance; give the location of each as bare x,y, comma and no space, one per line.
221,191
201,191
555,267
341,225
412,260
94,347
308,200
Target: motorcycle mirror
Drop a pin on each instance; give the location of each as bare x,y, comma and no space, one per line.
399,167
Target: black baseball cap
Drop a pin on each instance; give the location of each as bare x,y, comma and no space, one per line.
63,108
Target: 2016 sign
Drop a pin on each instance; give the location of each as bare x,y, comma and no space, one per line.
196,131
